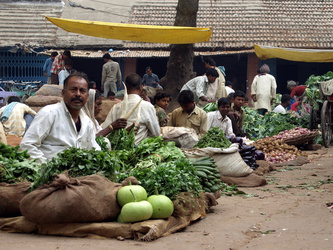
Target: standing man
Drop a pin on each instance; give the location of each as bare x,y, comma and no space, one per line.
220,81
150,79
14,117
263,90
48,65
189,115
110,75
58,65
62,125
144,116
200,86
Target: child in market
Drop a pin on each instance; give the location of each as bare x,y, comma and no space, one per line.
162,100
238,112
220,119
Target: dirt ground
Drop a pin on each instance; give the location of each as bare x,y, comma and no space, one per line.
290,212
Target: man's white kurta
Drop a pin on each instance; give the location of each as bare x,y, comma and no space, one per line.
264,87
53,130
149,126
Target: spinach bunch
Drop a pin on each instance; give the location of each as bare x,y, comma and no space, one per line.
121,139
169,178
15,166
214,138
79,162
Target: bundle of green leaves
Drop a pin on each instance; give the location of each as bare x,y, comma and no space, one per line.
215,138
15,166
312,89
79,162
160,164
260,126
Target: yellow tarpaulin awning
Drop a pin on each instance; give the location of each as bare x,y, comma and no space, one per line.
298,55
135,32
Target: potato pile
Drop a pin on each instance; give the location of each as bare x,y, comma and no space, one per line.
276,151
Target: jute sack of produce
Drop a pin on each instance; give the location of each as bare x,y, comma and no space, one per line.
10,198
183,137
84,199
106,107
41,101
228,161
251,180
151,92
50,90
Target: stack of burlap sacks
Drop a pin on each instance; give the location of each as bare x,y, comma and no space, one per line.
51,93
47,94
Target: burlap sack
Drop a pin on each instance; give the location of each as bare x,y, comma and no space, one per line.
251,180
183,137
10,198
50,90
228,161
84,199
151,92
41,101
106,107
188,208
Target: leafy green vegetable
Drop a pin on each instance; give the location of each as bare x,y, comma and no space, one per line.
15,166
212,106
170,178
78,162
260,126
312,89
102,143
215,138
122,139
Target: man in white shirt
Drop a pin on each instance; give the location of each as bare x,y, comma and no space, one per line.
62,125
201,84
143,116
220,119
285,102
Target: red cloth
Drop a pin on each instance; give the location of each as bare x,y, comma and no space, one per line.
297,91
294,106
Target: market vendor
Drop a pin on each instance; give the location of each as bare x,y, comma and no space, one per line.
144,116
188,114
62,125
220,119
297,91
204,87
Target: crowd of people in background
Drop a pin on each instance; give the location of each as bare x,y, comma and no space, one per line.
72,122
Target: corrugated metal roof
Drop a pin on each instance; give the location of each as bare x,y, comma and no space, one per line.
239,24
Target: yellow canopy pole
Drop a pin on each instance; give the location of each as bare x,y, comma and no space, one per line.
135,32
298,55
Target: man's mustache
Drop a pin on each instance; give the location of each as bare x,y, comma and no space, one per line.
78,98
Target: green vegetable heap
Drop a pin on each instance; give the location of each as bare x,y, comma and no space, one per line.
214,138
161,164
15,166
260,126
312,89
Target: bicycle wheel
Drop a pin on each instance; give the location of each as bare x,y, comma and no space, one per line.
326,126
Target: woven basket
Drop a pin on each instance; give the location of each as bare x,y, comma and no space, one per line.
302,139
